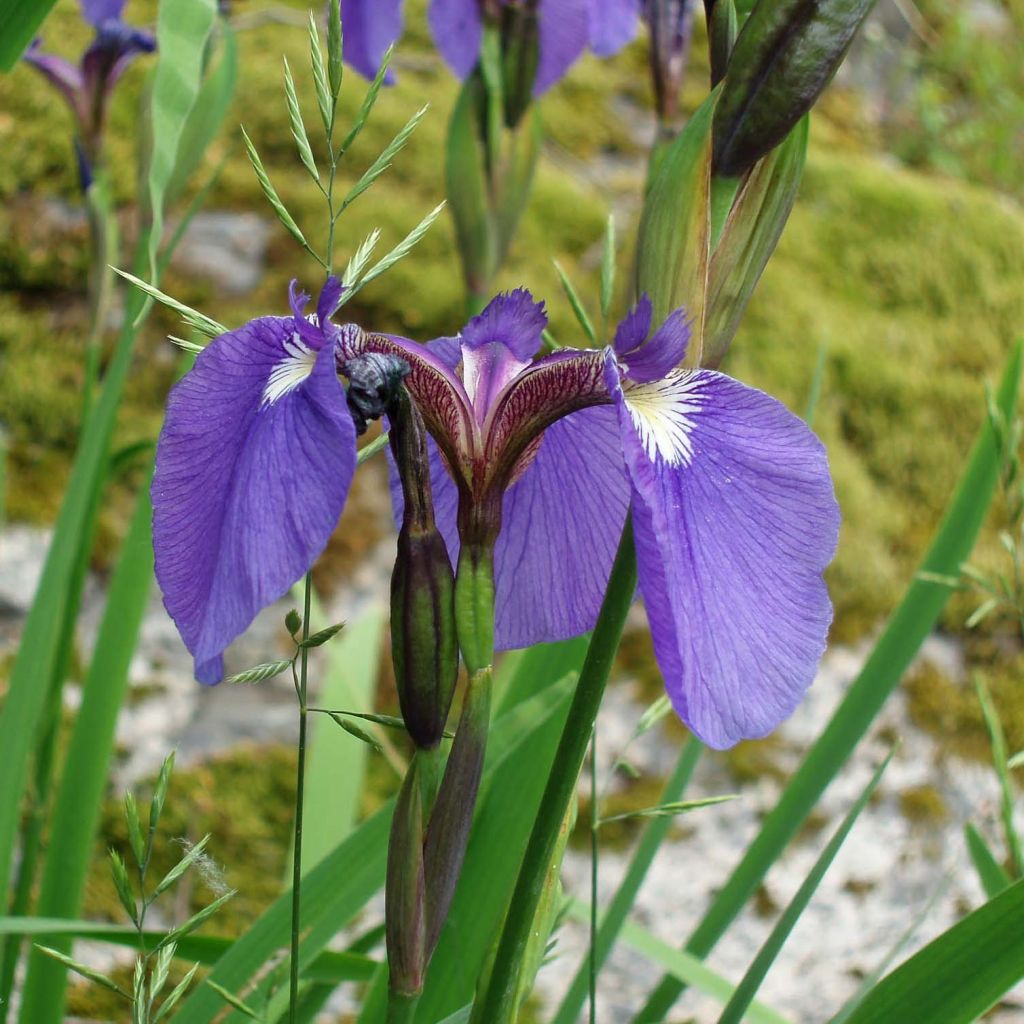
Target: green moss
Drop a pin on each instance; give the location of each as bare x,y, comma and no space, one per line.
756,759
923,805
950,710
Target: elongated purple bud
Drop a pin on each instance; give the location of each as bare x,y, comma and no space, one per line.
671,24
424,644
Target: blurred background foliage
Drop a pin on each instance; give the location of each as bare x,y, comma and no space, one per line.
902,262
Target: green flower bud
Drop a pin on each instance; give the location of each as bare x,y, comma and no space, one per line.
786,54
424,644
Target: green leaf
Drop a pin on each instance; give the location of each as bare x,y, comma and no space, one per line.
124,890
673,239
270,194
176,993
911,623
669,810
319,69
959,975
608,267
156,805
368,101
614,916
577,305
354,730
131,814
993,876
206,118
383,162
83,969
329,967
19,23
182,31
297,126
193,854
258,673
749,235
737,1006
232,1000
335,49
197,321
83,784
197,920
684,966
400,251
999,758
321,637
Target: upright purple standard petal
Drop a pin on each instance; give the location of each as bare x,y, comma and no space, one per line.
96,12
612,25
253,467
735,521
457,29
561,522
564,27
370,27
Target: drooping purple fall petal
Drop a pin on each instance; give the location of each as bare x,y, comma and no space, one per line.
457,29
613,24
564,27
253,467
735,521
370,27
61,73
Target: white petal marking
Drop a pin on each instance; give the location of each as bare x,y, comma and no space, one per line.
663,413
291,371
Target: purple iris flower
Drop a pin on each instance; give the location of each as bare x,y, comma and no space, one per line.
565,29
733,509
87,85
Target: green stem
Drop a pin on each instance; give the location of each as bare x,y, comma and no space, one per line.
402,1009
300,787
103,248
498,1003
594,823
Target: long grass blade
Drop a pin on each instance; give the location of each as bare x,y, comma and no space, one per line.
906,631
83,783
959,975
625,896
682,965
741,999
993,876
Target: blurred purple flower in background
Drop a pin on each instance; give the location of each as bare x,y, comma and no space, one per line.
87,85
538,459
565,28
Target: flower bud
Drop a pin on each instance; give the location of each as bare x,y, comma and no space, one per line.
424,646
671,23
786,54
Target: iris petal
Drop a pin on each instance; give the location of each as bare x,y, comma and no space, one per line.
249,481
457,31
732,535
98,11
561,522
370,27
564,27
612,25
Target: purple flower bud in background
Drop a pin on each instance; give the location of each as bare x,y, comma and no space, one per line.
87,86
671,26
564,29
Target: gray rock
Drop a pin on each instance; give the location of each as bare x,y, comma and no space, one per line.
227,248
